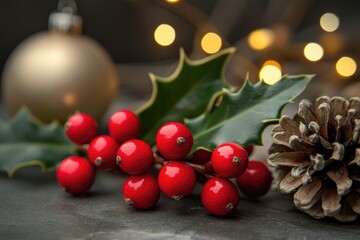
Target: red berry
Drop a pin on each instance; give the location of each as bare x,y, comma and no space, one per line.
141,191
135,157
201,156
219,196
177,180
102,152
124,125
81,128
256,180
249,149
174,140
229,160
75,174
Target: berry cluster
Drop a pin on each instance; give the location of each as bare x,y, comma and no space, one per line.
179,172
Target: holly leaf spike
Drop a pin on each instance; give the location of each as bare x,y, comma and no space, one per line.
25,141
184,94
242,116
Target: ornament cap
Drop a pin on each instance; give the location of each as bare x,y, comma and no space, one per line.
65,19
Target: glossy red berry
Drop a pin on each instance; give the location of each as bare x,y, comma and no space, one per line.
219,196
256,180
81,128
249,149
177,180
174,140
75,174
102,152
229,160
201,156
141,191
124,125
135,157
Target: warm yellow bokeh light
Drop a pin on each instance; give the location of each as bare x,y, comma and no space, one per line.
211,43
164,35
270,73
313,52
329,22
346,66
273,63
261,39
172,1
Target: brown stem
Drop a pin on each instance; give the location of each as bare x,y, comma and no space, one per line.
199,168
82,149
204,170
160,160
208,175
209,168
85,147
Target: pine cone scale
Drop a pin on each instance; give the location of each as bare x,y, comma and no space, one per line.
340,176
338,152
318,155
307,195
354,201
289,184
289,159
323,113
306,112
316,211
356,159
346,213
330,202
291,126
356,132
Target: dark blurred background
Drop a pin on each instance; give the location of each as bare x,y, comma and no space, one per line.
125,28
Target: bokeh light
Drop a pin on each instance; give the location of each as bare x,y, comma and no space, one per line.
211,43
273,63
261,39
69,99
172,1
164,34
270,73
329,22
346,66
313,52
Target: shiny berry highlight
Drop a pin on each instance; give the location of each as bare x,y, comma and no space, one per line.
134,157
102,152
229,160
220,196
174,140
81,128
75,175
124,125
177,180
141,191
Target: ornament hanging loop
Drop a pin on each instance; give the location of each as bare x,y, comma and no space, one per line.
65,19
67,6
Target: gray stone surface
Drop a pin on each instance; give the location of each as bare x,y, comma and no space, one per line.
34,207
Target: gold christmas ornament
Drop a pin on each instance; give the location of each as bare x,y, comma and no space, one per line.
57,72
317,157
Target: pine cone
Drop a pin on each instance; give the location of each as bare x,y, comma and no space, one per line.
317,157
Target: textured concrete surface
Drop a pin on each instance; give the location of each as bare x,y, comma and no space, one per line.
34,207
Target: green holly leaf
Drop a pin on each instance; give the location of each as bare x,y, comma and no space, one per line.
25,141
242,116
184,94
